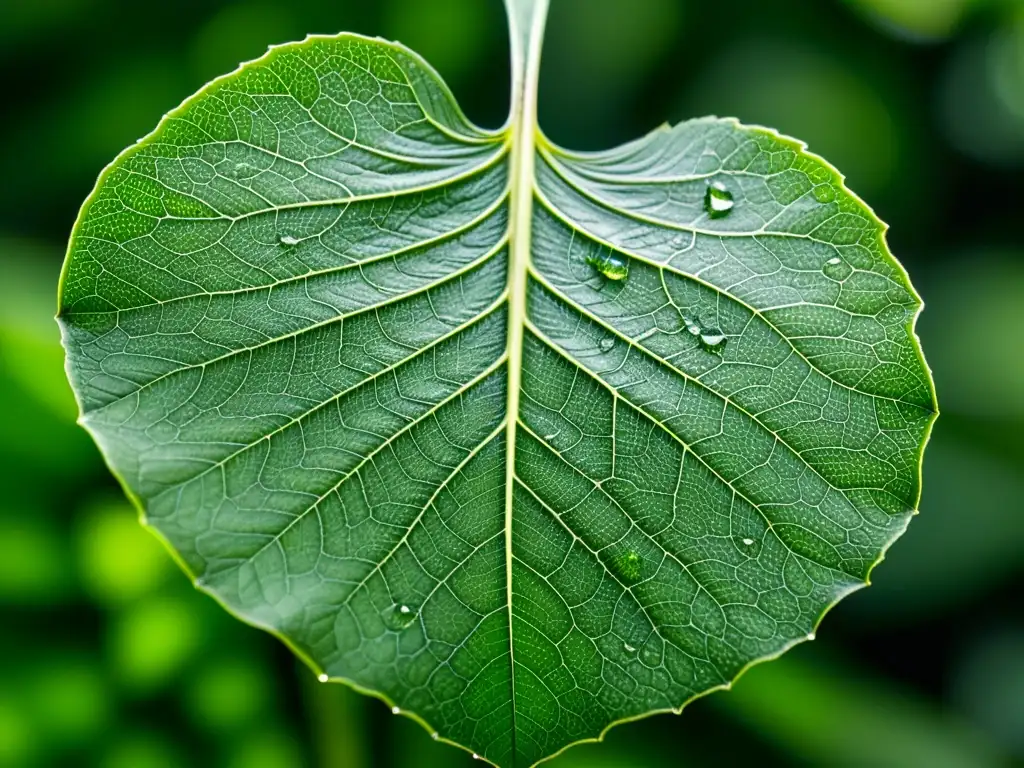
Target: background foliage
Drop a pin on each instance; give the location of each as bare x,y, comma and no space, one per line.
109,658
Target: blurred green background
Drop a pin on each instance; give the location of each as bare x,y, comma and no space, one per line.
109,658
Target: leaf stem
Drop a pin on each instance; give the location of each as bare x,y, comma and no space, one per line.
526,19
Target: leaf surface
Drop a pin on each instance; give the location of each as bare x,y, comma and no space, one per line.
526,442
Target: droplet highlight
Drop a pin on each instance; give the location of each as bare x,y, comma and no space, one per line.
396,711
710,339
612,265
836,269
288,240
398,617
606,344
628,648
748,542
323,678
718,200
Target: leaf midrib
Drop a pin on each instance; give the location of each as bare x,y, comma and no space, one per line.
526,30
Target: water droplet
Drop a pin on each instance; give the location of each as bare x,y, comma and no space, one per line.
550,437
811,636
748,542
606,344
322,678
476,756
718,200
398,617
435,736
628,565
628,648
836,269
288,240
395,711
712,340
824,193
611,265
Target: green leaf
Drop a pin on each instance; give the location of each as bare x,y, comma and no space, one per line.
826,712
525,442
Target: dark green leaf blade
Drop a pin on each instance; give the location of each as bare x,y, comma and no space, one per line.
285,324
722,442
291,317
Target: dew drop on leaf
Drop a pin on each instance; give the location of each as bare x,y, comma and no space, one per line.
628,565
322,678
399,617
606,344
836,269
288,240
612,265
718,200
713,340
396,711
748,542
628,648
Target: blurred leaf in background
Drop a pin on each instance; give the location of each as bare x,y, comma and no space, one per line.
109,525
38,431
987,685
980,97
35,567
238,33
447,33
916,20
975,321
826,713
598,59
813,95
